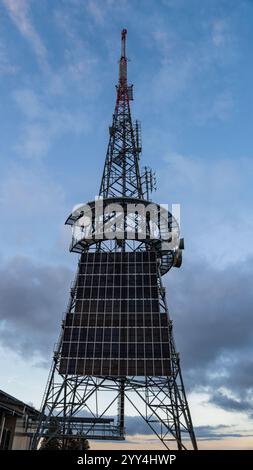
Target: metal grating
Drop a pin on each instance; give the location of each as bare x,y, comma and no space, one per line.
116,328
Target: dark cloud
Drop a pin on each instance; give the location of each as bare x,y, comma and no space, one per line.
136,425
33,299
213,325
211,309
215,432
230,404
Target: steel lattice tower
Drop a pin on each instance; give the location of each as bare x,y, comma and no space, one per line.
116,343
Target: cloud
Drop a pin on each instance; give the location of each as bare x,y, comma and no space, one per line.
82,70
152,443
227,403
220,107
96,11
220,32
33,298
6,67
211,337
82,66
19,12
44,123
34,209
27,189
219,432
215,229
211,304
175,69
36,140
136,425
100,12
186,67
214,307
210,297
212,313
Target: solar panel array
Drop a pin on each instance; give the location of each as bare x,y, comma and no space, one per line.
116,328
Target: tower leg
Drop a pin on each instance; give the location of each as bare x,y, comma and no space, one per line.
121,407
160,401
70,405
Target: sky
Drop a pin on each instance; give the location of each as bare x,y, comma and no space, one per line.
192,68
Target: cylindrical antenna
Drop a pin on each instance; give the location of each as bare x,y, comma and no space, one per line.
123,42
123,60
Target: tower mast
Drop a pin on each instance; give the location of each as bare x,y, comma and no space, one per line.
121,175
117,335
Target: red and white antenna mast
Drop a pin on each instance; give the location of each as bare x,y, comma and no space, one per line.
123,60
123,42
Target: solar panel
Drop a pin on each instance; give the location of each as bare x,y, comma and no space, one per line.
116,328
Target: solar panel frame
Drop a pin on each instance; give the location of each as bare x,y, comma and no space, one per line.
116,328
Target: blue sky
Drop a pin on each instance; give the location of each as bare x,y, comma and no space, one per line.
192,69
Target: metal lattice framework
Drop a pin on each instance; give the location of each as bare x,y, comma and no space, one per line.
86,405
121,176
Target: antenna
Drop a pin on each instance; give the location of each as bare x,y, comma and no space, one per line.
148,181
123,61
121,176
123,43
